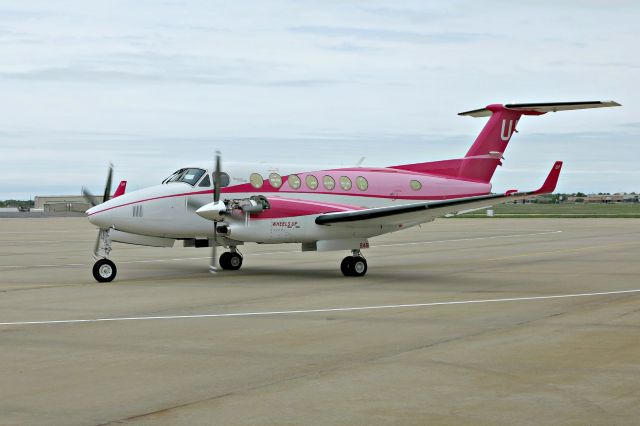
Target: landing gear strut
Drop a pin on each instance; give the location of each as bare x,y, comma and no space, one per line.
104,270
354,266
231,260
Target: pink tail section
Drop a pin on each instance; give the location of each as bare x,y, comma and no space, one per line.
485,154
122,187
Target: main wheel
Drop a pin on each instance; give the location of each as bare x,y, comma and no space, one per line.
235,261
104,271
224,260
359,266
346,266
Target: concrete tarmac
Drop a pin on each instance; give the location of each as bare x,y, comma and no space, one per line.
570,360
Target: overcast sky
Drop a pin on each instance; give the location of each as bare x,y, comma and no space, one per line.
156,85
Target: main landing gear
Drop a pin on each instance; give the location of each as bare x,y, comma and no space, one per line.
104,270
230,260
354,265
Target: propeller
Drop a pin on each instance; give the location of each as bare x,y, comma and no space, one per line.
107,186
91,199
213,267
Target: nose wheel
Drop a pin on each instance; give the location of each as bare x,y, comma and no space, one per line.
353,266
104,271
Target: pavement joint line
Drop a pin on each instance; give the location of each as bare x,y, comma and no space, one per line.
322,310
546,232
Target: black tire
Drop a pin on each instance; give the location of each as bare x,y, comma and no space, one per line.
358,266
224,260
104,271
346,266
235,261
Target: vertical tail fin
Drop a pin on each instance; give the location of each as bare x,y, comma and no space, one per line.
485,154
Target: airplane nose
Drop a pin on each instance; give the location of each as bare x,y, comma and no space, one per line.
97,218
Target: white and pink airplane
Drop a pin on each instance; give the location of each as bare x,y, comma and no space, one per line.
323,210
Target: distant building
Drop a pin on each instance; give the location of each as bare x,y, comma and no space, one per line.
63,203
616,198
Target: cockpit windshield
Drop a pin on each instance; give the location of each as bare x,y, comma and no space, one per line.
190,176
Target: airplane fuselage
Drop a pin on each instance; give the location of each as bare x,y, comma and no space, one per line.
168,210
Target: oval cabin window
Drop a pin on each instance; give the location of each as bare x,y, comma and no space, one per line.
345,183
328,182
275,180
362,183
312,182
256,180
294,181
415,185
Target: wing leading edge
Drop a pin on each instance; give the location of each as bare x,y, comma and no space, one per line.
415,213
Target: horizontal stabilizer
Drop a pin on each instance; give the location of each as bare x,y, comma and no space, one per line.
539,108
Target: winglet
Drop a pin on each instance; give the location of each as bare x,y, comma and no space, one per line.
122,187
550,183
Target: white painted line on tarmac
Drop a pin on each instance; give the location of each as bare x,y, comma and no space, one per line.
322,310
179,259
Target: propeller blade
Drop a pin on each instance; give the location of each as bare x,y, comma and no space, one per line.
88,196
193,204
216,179
214,258
107,188
216,197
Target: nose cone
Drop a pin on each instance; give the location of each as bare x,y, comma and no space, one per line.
100,216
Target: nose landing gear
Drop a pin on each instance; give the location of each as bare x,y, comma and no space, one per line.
104,270
354,266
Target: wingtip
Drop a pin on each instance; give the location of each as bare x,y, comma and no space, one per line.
551,181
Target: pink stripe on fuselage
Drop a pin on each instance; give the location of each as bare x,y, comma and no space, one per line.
335,206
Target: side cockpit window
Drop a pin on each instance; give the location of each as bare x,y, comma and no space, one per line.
206,182
224,179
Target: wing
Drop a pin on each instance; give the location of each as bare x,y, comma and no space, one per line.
416,213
